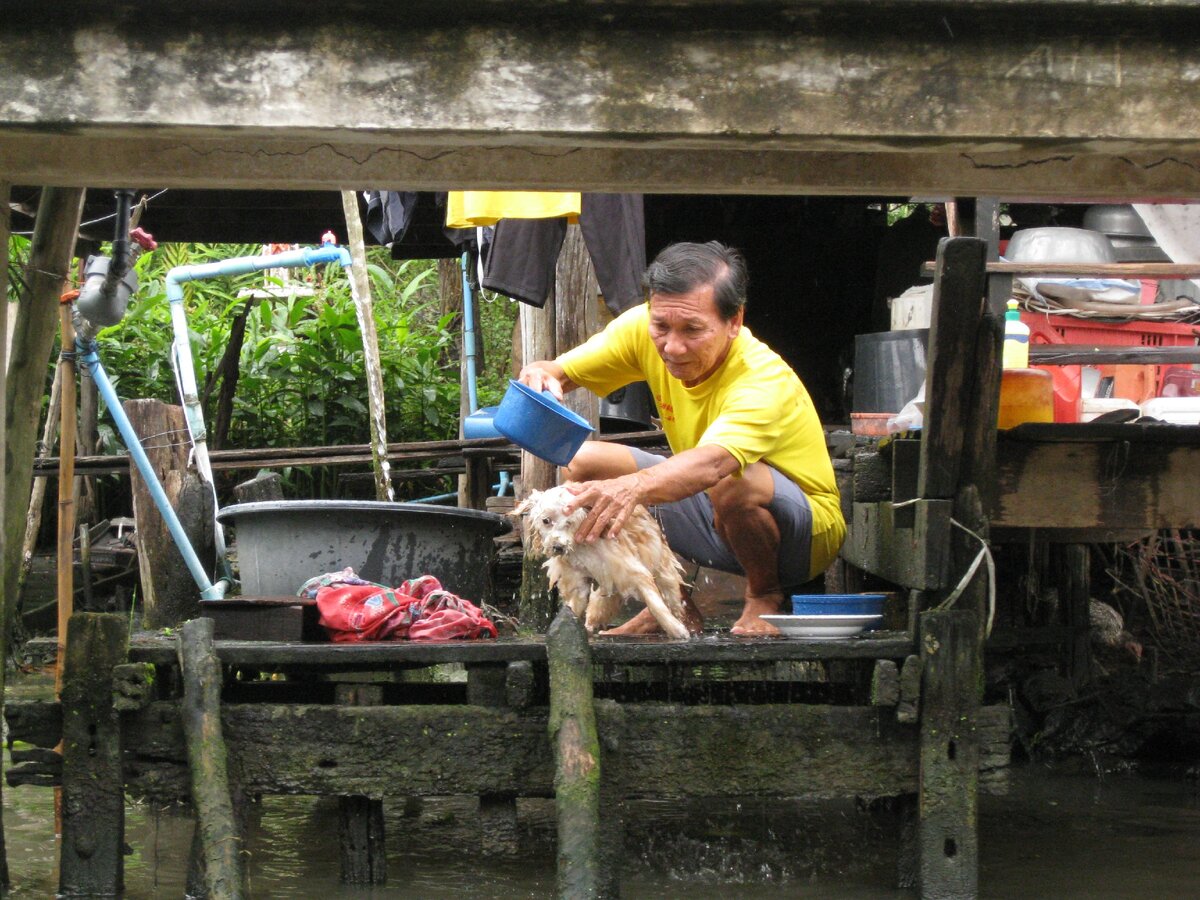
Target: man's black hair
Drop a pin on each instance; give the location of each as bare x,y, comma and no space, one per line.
684,267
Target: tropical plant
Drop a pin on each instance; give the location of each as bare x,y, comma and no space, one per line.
300,379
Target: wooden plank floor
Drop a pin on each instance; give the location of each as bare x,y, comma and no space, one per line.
709,649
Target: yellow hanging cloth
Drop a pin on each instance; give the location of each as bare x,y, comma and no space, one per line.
471,209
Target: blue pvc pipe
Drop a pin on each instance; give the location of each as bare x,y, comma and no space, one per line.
469,332
435,498
504,483
311,256
87,357
328,252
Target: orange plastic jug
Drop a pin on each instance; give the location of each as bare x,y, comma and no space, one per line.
1026,395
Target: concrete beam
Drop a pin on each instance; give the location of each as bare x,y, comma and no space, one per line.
139,158
900,97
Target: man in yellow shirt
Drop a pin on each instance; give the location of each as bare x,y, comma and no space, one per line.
749,487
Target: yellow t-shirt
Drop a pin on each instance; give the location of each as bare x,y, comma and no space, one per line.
754,406
468,209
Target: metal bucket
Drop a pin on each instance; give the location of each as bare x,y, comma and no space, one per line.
282,543
889,367
627,409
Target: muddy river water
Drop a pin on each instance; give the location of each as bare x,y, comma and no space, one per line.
1054,834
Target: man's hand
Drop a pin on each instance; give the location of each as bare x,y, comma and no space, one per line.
544,376
609,503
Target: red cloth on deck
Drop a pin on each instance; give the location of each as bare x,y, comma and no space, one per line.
419,610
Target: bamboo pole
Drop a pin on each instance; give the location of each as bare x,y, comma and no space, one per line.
33,340
37,496
4,611
66,483
364,309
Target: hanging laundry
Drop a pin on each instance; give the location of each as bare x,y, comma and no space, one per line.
520,262
389,214
519,254
467,209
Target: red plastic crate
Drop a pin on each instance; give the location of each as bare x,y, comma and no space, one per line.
1044,329
1092,331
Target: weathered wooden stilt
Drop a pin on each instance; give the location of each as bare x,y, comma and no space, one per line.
93,790
1074,587
576,744
487,685
220,837
898,815
909,851
949,752
360,819
498,826
361,830
169,595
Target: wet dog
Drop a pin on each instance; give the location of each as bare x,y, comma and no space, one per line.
593,579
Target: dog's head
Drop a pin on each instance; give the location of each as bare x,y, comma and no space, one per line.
549,530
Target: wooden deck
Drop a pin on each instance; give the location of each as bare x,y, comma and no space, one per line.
707,650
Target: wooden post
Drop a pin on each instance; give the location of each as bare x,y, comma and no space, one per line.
65,560
33,337
91,861
169,593
949,755
265,486
487,685
576,311
537,342
37,494
200,711
577,773
957,309
1072,572
5,610
536,601
360,819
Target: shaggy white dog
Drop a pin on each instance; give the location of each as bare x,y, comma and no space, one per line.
594,578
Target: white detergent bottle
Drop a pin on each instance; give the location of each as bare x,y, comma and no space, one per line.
1016,339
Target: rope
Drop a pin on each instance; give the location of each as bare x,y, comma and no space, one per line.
984,555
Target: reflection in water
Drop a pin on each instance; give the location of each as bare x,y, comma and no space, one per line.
1052,835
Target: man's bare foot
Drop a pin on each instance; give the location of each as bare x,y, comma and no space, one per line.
751,622
645,623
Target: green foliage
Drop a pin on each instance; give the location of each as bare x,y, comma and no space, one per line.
18,255
498,315
898,211
301,373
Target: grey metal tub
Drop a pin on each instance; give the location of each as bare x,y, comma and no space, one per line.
282,543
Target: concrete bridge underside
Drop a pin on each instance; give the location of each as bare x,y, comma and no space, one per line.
1019,99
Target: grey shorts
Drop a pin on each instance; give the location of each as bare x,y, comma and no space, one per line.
690,532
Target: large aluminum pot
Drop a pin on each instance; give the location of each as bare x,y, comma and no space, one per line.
283,543
1060,245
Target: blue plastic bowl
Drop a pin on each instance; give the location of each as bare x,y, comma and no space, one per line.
540,424
837,604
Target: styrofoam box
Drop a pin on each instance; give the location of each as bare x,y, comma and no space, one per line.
1176,410
913,308
1098,406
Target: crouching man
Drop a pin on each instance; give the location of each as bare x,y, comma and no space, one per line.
749,487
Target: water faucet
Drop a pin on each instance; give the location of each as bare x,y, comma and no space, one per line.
331,252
